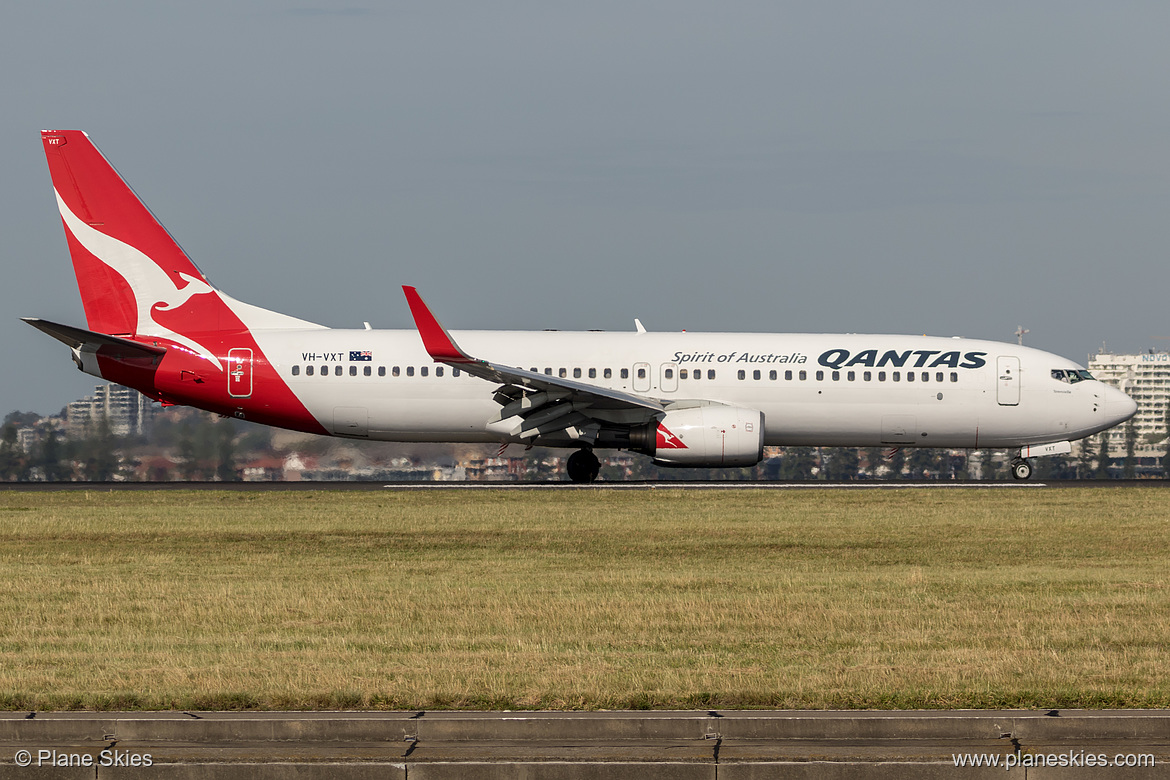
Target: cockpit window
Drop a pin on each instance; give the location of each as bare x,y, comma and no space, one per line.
1071,375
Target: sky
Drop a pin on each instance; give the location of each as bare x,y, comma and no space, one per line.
950,168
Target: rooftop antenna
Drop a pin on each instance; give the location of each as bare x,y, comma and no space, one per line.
1020,331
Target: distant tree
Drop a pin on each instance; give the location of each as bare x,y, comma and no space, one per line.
225,469
924,463
897,462
1085,460
1130,450
873,460
50,457
842,463
188,467
1103,457
1055,467
22,419
1166,457
959,465
13,466
798,463
771,468
988,468
102,463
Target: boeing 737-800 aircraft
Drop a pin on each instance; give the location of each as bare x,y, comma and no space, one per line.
156,324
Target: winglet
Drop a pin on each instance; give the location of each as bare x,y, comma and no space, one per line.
438,343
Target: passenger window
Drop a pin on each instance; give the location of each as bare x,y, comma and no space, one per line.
296,371
820,376
367,370
547,371
772,375
925,376
641,373
353,370
576,373
438,370
755,374
851,376
607,373
938,377
788,376
896,376
454,372
836,376
396,371
682,373
909,376
324,370
867,376
668,373
741,374
954,376
803,375
337,370
881,376
423,371
308,370
710,373
562,373
593,373
410,370
625,373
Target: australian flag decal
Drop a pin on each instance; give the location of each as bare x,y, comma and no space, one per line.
362,355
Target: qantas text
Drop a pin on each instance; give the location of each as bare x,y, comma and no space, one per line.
923,358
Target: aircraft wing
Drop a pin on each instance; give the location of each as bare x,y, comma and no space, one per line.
113,346
545,404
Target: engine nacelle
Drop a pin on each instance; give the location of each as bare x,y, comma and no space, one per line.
710,435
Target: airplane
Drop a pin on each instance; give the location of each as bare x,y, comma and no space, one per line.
155,323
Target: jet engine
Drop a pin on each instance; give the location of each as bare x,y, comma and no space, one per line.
711,435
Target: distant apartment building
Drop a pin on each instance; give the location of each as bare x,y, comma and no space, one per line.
127,411
1146,379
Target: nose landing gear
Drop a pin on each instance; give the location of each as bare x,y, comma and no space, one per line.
583,466
1021,468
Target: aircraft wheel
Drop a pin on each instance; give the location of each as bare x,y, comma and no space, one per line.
1021,469
583,466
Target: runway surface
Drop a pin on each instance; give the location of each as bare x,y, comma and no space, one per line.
659,485
699,744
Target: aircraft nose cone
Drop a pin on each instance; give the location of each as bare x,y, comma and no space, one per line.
1119,407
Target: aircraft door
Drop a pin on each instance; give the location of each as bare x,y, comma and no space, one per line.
641,377
668,377
1007,372
240,372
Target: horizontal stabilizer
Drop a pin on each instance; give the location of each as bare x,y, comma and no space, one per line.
77,337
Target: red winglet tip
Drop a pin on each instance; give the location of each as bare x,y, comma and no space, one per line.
438,343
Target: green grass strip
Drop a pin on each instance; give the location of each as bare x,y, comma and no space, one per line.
963,598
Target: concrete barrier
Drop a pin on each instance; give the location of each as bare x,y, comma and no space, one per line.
736,745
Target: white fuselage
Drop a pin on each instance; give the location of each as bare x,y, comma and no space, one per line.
813,389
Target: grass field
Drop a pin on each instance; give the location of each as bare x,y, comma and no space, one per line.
584,599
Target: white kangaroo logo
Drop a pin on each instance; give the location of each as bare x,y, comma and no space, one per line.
151,285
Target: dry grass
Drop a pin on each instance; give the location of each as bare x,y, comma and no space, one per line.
886,599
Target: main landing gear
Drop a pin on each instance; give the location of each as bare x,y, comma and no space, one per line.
583,466
1021,468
